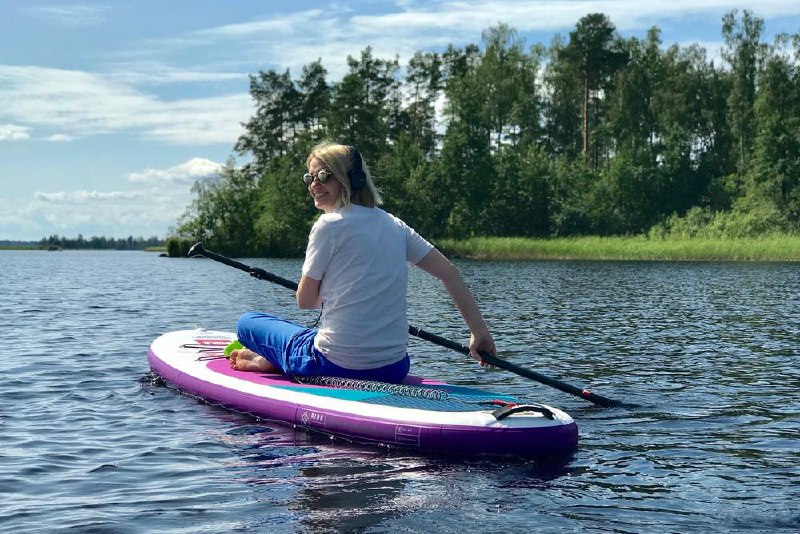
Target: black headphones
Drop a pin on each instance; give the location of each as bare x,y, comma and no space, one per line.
356,174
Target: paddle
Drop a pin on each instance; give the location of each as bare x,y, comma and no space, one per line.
199,250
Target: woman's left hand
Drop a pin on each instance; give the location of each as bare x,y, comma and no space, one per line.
481,342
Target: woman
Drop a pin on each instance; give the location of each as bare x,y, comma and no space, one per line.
356,270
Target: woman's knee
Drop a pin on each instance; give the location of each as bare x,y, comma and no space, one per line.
243,323
250,321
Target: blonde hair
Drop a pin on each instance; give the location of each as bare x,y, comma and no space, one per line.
339,160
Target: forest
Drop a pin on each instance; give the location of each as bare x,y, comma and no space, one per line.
596,134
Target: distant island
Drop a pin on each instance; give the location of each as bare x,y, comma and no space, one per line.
6,243
55,242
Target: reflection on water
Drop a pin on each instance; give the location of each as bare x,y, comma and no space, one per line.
332,485
709,351
335,486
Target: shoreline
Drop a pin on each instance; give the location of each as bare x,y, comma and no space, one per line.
774,248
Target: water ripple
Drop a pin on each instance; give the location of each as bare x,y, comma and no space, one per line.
90,441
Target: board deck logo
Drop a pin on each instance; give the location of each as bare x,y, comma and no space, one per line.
212,341
208,345
312,419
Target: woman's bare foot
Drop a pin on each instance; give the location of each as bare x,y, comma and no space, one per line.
247,360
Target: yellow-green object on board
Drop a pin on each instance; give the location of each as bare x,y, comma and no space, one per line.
232,346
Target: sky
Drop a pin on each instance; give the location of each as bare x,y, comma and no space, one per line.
110,110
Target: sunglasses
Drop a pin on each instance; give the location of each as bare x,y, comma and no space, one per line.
322,177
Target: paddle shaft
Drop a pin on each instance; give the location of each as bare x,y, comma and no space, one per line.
256,272
521,371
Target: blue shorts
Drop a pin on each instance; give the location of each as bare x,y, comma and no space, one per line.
290,347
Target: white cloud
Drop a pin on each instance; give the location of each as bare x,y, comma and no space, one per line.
59,138
286,41
476,15
70,14
158,199
111,216
143,212
81,103
158,73
12,132
57,198
83,197
185,173
286,25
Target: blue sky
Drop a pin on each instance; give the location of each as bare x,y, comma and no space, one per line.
110,110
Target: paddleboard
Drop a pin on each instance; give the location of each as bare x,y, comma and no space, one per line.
419,413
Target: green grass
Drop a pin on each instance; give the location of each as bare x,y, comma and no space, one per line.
768,248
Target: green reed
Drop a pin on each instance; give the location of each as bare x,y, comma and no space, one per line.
769,248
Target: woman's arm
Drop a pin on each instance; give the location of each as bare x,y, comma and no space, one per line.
308,293
437,265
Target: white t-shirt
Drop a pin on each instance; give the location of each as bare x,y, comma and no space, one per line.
362,256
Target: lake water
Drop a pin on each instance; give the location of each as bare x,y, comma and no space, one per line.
90,441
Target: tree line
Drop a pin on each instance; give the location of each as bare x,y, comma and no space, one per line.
55,241
595,134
